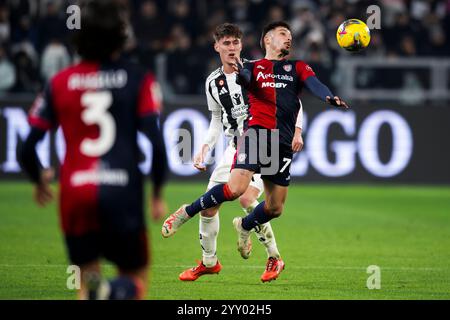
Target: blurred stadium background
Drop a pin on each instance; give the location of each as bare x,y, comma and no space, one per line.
399,87
396,135
176,35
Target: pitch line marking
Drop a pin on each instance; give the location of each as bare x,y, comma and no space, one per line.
237,267
316,267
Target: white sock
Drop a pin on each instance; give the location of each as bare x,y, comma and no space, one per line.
209,229
267,238
252,207
265,235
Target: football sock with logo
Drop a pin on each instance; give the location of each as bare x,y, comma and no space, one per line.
214,196
257,217
267,238
265,234
209,229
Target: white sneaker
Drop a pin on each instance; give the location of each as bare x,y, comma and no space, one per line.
174,221
244,241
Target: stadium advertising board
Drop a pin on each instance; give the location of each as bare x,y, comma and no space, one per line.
384,144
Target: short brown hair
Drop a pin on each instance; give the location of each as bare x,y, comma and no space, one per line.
272,26
227,30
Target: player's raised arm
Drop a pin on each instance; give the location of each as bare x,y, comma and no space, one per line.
317,88
323,92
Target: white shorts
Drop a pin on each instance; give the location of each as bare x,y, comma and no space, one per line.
221,173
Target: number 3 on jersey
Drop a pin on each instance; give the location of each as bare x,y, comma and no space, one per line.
96,112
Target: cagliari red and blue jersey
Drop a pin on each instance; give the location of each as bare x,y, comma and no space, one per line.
273,94
99,107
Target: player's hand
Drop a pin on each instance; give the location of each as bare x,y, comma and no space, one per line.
297,141
199,158
338,102
43,194
158,208
238,65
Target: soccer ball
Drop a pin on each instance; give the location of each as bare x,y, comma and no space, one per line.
353,35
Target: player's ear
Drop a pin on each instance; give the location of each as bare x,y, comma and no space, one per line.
266,40
216,46
240,44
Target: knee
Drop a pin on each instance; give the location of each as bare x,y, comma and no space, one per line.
274,211
246,201
236,191
209,213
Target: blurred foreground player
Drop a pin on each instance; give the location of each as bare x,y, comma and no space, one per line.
101,104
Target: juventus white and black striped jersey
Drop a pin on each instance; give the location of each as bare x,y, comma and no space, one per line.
224,94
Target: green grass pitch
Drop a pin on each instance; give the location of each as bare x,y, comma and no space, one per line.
328,235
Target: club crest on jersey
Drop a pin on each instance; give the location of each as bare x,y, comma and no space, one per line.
237,99
287,67
242,157
221,82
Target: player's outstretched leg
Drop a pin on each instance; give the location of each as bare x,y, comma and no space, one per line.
266,237
236,186
211,198
244,226
208,229
174,221
259,216
274,264
264,233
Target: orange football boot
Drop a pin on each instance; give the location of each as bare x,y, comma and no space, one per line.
274,267
194,273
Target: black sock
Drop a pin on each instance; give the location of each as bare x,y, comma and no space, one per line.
123,288
256,217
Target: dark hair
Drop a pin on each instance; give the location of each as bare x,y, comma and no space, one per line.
272,26
102,29
227,30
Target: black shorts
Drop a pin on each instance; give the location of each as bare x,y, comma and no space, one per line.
129,251
259,150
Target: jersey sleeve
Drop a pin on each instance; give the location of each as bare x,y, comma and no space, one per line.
150,97
214,130
213,105
42,113
304,71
